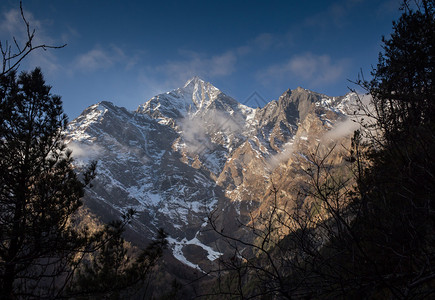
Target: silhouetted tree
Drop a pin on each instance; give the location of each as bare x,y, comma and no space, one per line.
400,184
39,190
402,85
370,235
41,244
44,251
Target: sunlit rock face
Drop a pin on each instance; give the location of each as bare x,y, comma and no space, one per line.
192,151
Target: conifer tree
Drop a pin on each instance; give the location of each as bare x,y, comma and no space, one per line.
39,190
42,247
399,185
402,85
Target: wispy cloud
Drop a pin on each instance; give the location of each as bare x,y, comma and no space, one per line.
12,24
195,136
100,58
341,130
314,70
195,130
93,60
84,153
283,156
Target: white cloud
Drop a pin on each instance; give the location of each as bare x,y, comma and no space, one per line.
100,58
194,135
319,69
341,129
195,130
283,156
93,60
314,70
222,65
13,25
84,152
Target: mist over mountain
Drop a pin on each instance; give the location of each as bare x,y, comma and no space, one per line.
194,151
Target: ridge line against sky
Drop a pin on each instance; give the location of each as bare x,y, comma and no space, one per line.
128,51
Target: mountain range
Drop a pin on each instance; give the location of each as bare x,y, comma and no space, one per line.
195,152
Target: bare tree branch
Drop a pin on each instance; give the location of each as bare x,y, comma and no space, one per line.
12,56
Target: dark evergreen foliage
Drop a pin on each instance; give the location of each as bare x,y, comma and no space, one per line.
44,253
377,238
39,189
399,186
402,87
42,244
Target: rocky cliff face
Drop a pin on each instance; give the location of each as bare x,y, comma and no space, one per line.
194,150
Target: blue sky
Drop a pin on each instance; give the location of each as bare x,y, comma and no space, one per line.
128,51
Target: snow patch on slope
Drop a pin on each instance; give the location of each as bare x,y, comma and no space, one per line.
177,250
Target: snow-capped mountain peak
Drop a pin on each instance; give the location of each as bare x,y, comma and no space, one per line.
193,150
195,97
194,81
203,93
